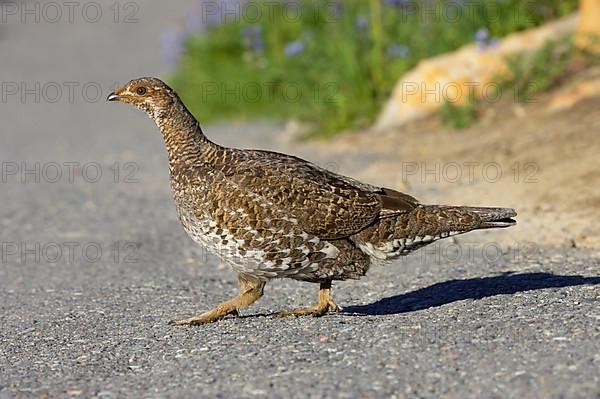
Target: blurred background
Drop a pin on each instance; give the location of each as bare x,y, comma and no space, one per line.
361,48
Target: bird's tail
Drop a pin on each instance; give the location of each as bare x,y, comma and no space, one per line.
402,234
436,220
473,218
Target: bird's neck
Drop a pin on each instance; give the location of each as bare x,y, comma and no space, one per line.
186,144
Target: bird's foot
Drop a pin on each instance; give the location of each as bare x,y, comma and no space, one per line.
309,311
324,304
250,290
315,311
211,316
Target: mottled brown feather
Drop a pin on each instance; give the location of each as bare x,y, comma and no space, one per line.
275,215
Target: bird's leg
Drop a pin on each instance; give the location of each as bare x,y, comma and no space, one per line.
324,303
251,289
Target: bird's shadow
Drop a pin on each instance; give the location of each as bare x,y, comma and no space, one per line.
474,288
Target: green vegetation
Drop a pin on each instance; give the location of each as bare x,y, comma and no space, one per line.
458,116
531,74
334,65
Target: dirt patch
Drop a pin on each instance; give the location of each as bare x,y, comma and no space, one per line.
545,164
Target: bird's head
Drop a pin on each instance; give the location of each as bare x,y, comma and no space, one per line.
151,95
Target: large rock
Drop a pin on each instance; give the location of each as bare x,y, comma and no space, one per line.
468,70
588,31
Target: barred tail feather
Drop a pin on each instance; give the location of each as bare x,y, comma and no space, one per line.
402,234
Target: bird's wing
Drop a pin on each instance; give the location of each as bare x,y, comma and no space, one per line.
326,204
395,202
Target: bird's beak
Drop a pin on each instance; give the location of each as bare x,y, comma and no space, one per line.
112,97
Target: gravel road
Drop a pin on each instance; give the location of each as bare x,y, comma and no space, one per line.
94,265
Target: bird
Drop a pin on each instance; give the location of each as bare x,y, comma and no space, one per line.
271,215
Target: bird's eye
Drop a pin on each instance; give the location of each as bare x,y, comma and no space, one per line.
141,90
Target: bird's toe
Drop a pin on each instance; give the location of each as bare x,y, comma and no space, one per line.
315,311
334,307
185,322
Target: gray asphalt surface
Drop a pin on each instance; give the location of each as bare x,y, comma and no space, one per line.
92,271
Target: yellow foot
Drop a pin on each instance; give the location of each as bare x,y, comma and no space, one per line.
205,318
315,311
324,304
250,290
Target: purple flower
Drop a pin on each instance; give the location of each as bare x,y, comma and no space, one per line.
482,35
201,16
398,51
194,24
484,41
252,37
252,30
293,48
491,43
396,3
362,23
